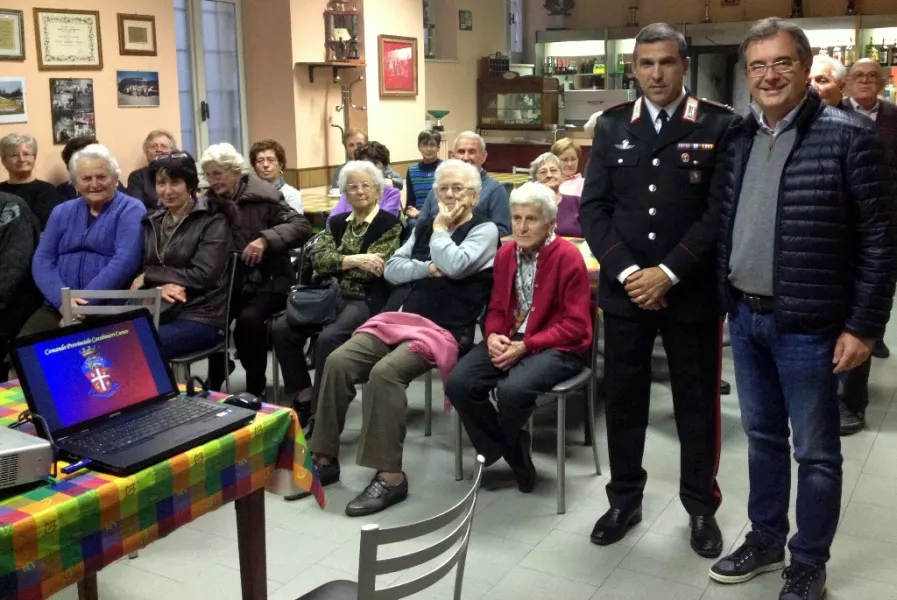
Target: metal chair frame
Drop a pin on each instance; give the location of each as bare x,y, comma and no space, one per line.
370,565
181,364
69,312
585,378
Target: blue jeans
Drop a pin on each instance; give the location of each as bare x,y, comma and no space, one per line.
782,376
181,336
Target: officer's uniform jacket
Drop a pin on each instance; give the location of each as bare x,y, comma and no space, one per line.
645,202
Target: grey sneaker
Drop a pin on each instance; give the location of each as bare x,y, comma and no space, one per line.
750,559
803,582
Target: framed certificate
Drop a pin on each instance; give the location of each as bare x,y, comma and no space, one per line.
68,40
137,35
12,40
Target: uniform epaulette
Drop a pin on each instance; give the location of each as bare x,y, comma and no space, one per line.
617,106
725,107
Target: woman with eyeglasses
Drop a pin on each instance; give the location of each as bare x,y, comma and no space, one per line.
186,246
266,230
390,196
569,153
140,181
18,152
354,248
547,169
269,159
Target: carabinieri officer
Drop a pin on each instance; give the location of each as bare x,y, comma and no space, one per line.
646,216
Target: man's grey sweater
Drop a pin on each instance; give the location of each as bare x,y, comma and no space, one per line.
751,264
492,205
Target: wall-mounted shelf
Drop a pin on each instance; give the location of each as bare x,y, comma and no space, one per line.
335,66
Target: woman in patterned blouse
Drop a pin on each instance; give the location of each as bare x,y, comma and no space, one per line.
354,248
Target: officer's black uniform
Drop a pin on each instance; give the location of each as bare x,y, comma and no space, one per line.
645,203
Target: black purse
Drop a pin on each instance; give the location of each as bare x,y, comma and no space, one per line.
313,305
316,303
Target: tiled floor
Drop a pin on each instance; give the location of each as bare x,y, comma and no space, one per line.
521,548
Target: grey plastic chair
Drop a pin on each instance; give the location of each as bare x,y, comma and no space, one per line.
181,364
69,312
372,537
585,378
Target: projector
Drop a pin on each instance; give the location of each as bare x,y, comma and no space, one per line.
24,458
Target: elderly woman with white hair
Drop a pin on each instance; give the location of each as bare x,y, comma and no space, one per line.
546,169
267,229
442,278
538,331
90,243
353,249
141,184
18,152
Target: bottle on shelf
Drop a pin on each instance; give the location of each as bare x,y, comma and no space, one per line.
850,56
872,50
836,53
884,54
890,91
823,51
621,68
894,54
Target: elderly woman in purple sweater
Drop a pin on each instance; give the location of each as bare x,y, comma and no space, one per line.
90,243
390,197
546,169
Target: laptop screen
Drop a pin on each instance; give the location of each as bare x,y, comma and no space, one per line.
76,377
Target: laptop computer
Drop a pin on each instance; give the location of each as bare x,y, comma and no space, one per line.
107,394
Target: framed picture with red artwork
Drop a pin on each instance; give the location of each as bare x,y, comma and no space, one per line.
398,66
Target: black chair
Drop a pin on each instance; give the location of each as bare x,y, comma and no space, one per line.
181,364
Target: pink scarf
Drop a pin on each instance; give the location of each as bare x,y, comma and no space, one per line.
436,345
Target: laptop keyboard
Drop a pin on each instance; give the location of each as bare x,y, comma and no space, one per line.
132,431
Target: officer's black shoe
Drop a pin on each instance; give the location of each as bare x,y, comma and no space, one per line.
614,524
706,538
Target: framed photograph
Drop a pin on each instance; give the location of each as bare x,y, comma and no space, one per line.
13,108
72,109
12,36
68,40
137,88
398,66
465,20
137,35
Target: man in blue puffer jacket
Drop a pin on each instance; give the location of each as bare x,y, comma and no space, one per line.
807,265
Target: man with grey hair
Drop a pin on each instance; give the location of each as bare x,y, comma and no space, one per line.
470,147
141,184
538,330
18,152
827,76
646,216
807,260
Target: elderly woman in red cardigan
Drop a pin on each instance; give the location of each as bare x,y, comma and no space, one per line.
538,329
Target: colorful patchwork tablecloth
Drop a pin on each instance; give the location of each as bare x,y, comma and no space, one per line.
53,535
511,180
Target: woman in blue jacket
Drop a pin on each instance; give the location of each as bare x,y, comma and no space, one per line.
90,243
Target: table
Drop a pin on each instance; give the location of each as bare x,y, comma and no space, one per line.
583,247
62,533
317,207
511,181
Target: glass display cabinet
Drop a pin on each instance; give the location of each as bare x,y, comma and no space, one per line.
518,103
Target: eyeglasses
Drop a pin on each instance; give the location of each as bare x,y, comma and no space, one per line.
354,188
456,190
866,77
264,160
21,155
758,70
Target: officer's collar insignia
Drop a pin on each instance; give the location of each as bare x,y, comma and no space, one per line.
625,145
636,111
691,110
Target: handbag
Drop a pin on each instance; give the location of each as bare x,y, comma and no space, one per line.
313,305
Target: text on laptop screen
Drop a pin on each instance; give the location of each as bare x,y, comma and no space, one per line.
92,373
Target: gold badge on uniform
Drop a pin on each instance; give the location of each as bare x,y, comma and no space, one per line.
695,176
691,110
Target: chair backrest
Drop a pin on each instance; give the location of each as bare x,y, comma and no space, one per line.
454,544
520,170
69,312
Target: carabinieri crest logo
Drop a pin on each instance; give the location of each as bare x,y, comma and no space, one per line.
97,370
